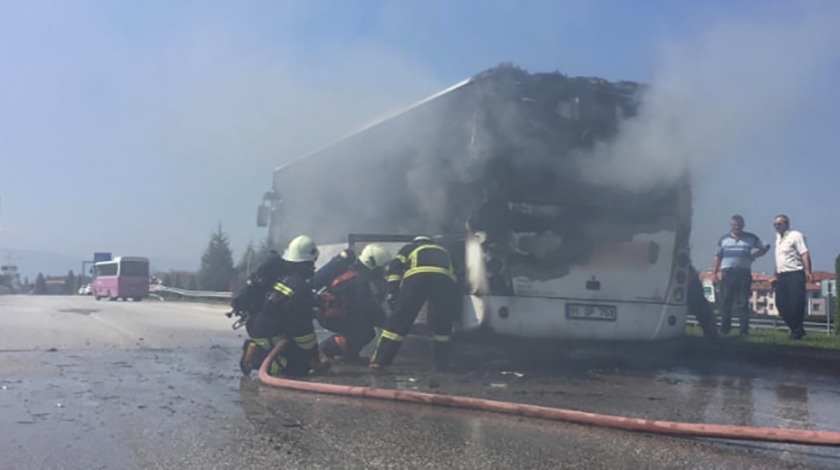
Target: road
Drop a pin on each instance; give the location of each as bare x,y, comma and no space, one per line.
88,384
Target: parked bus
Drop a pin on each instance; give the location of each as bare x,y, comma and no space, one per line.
124,277
492,166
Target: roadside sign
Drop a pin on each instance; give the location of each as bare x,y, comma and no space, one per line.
829,286
709,291
101,256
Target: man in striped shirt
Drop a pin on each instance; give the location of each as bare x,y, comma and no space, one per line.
732,270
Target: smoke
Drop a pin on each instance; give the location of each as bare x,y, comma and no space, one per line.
172,120
721,97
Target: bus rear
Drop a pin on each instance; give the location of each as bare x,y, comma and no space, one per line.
612,270
125,277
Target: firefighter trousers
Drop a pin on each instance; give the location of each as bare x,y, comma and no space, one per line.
440,294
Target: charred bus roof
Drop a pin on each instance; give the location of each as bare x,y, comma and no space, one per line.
424,168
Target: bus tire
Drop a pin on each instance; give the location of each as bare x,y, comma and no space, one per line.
138,299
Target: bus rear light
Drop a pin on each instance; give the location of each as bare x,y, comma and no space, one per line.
679,294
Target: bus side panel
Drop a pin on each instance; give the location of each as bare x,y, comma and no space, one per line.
531,317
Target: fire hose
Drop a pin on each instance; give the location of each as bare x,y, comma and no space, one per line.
672,428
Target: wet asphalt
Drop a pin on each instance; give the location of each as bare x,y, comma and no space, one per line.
87,385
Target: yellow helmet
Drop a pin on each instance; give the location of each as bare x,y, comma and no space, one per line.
301,249
375,256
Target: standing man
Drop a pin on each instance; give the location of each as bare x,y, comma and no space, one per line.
732,269
793,270
420,273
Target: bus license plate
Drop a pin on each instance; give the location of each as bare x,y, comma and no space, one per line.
591,312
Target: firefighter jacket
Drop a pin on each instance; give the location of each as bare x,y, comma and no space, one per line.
418,257
287,311
335,267
353,298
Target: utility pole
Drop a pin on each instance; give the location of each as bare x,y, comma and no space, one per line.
248,260
830,307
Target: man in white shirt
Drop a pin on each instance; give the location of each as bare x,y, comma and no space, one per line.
793,271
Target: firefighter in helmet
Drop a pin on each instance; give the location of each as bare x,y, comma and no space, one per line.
420,273
352,304
286,314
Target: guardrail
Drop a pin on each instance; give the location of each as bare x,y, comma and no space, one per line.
195,294
767,323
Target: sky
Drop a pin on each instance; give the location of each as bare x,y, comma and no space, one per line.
139,127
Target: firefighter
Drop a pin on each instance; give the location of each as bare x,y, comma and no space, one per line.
352,304
421,272
287,315
335,267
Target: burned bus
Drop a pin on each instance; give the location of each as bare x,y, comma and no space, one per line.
492,166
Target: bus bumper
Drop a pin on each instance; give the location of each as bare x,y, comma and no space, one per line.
533,317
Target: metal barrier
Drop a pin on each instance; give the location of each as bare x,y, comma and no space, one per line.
196,294
767,323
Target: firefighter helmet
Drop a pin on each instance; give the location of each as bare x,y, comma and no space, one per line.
301,249
375,256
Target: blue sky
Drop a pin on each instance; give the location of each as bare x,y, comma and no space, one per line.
137,127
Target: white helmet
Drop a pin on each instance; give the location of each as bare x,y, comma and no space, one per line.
375,256
422,238
301,249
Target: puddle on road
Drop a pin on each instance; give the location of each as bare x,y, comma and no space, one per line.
80,311
758,397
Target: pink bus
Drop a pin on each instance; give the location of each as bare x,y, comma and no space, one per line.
124,277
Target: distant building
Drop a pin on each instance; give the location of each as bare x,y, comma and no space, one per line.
10,279
55,285
763,298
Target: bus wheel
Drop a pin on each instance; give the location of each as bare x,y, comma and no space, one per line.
138,299
98,297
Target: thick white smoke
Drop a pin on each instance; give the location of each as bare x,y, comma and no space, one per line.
737,85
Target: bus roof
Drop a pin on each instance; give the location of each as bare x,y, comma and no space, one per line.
380,121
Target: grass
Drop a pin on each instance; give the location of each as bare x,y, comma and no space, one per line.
759,337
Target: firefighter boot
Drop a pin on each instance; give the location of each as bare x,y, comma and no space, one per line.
441,351
247,354
386,351
252,356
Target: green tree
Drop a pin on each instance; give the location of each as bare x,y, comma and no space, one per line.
70,284
40,285
217,269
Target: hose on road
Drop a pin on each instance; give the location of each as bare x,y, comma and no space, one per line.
672,428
